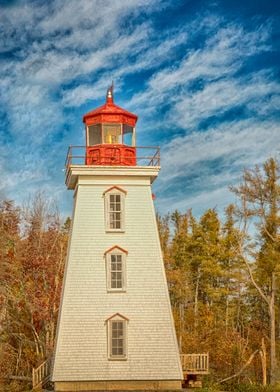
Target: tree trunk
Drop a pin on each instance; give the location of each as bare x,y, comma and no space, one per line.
196,298
263,362
241,370
273,364
181,326
227,314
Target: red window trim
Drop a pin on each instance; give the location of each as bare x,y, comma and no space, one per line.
117,315
117,188
115,247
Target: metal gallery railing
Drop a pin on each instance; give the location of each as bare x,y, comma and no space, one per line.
143,156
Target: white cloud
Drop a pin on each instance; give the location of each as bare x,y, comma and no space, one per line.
188,170
147,58
222,95
220,57
238,141
64,53
217,198
31,112
101,17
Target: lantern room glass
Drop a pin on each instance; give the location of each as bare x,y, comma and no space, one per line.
128,135
94,134
112,133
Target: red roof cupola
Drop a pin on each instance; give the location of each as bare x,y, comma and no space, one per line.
110,134
110,113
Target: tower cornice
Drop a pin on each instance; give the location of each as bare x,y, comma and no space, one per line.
74,172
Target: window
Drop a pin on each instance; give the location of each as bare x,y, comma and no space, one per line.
94,135
128,135
117,337
112,133
114,209
116,269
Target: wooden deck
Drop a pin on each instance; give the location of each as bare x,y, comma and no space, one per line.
41,375
195,364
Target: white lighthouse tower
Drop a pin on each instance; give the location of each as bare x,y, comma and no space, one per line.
115,328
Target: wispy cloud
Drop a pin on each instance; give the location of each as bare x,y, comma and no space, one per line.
202,165
148,55
238,141
217,198
193,81
253,92
221,56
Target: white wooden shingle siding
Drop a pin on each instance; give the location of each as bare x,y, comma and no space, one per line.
81,349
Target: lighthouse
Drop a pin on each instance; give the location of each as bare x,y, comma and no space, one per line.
115,328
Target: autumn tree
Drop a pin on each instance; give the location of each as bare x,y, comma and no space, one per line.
33,247
259,202
9,278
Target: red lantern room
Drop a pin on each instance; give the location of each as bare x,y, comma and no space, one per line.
110,135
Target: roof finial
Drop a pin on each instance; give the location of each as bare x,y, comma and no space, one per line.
110,93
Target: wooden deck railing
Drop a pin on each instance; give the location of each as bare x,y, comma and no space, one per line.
41,374
195,363
191,364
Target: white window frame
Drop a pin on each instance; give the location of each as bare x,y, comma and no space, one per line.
114,191
117,318
116,251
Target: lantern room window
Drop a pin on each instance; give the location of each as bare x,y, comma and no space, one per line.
99,134
112,133
128,135
94,135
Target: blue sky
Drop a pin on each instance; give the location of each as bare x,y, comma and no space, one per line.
202,75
